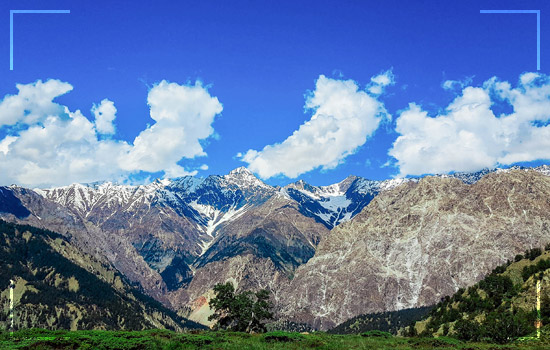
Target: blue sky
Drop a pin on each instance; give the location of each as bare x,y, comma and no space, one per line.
263,61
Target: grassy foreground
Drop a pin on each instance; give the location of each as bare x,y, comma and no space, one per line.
161,339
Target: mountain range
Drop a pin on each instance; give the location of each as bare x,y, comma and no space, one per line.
59,287
327,253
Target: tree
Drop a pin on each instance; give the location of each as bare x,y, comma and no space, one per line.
261,310
468,330
502,327
243,312
222,304
545,308
411,331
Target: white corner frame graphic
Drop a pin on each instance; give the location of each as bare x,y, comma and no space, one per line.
12,12
537,12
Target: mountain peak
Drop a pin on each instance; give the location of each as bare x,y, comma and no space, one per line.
163,182
301,185
244,177
345,184
240,171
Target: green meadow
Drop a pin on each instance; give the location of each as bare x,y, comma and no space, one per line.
167,340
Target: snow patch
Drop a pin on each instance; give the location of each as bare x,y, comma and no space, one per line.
215,218
335,203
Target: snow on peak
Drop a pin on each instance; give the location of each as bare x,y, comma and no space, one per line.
244,177
187,184
240,171
392,183
282,192
330,190
164,182
543,169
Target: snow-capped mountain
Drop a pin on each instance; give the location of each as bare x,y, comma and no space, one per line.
176,238
216,200
473,177
211,201
420,242
158,234
340,202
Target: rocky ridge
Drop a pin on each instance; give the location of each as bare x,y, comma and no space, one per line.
59,286
418,242
168,233
328,253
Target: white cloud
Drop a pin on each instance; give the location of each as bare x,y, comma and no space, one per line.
343,118
183,116
469,137
55,146
5,144
104,114
380,81
457,84
33,103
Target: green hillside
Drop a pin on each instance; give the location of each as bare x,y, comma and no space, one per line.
59,287
390,321
216,340
500,308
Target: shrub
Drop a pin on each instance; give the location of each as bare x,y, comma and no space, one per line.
503,327
533,253
497,287
377,334
411,331
435,343
243,312
468,330
446,329
499,269
530,270
277,336
197,339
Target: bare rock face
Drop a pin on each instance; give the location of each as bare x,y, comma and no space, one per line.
59,286
245,272
327,253
275,230
109,248
175,237
258,250
418,242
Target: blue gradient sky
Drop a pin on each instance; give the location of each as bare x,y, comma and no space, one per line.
260,58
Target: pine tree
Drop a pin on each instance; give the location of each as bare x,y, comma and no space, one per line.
243,312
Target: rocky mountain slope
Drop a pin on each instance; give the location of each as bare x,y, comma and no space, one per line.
389,321
500,306
418,242
57,286
177,238
328,253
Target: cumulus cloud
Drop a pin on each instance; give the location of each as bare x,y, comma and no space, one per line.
56,146
104,114
5,144
183,116
343,118
469,136
380,81
33,103
457,84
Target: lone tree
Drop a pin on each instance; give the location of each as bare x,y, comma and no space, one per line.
243,312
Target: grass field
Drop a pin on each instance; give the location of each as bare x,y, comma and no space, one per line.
160,339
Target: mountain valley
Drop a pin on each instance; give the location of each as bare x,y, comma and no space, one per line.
327,253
